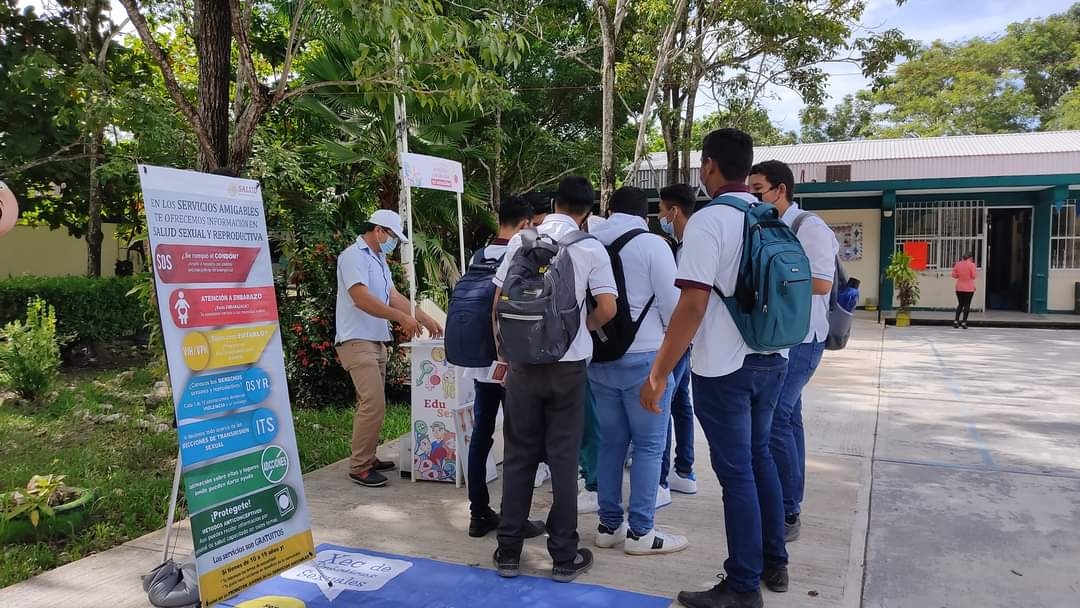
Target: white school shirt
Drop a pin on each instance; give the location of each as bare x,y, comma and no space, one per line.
359,265
819,242
649,270
711,251
494,251
592,272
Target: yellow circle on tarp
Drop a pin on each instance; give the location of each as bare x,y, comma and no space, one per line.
196,351
438,354
272,601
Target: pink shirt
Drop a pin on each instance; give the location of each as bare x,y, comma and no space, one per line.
965,272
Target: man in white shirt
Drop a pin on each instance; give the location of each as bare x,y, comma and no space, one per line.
366,302
648,286
677,204
735,388
773,182
544,406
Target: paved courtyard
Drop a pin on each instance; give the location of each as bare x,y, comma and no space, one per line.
944,471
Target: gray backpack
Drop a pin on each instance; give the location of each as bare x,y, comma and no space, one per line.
538,312
839,319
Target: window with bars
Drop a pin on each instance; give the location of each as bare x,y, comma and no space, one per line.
951,228
1065,237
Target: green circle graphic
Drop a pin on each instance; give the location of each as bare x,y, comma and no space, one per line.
275,464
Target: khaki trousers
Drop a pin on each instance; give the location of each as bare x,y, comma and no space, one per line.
366,363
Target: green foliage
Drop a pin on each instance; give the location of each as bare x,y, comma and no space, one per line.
41,495
852,118
91,309
904,278
30,352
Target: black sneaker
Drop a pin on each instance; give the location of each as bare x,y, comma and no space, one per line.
370,478
721,596
564,572
956,325
382,465
479,526
534,528
792,527
775,578
505,565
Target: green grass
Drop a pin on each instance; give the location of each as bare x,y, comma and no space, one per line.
129,468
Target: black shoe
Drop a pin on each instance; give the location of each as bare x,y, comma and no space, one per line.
381,465
775,578
479,526
721,596
534,528
505,565
370,478
956,325
792,527
564,572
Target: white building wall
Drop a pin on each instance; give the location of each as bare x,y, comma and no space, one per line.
1061,295
867,269
949,167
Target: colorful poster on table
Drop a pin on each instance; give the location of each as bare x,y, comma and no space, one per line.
215,292
438,389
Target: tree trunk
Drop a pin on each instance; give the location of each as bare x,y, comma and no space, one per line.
94,236
213,42
607,127
685,143
496,178
670,123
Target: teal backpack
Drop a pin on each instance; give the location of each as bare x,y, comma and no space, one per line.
772,299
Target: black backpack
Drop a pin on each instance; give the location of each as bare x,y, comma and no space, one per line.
470,340
611,341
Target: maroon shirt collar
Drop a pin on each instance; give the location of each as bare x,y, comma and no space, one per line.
500,241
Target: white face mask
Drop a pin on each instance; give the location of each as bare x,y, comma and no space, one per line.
667,226
388,246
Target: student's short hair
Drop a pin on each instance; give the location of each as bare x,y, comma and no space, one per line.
732,150
576,195
680,195
514,210
969,255
776,173
631,201
539,201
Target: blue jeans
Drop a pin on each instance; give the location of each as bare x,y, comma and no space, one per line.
735,412
621,419
682,417
788,442
485,409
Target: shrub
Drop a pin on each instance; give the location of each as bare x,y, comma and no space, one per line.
91,309
30,352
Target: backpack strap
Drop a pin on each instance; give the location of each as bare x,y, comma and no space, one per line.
734,202
614,249
575,237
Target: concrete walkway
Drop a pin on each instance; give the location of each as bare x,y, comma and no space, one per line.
965,466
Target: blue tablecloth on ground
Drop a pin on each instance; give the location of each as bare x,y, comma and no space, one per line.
424,583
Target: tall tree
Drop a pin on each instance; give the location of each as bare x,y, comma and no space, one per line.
853,118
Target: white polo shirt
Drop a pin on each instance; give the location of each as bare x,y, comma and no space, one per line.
592,272
711,251
819,242
649,270
359,265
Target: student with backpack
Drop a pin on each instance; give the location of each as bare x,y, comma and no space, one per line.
623,353
470,345
773,182
543,333
677,203
745,298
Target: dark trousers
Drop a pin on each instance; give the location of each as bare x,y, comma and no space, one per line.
485,409
736,412
963,304
590,441
681,432
544,415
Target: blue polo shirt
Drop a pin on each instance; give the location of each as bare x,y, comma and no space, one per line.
359,265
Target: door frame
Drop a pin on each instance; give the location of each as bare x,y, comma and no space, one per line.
1031,257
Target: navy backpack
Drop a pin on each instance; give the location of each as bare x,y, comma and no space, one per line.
469,338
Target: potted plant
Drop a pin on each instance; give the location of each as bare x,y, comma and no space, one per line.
47,507
906,281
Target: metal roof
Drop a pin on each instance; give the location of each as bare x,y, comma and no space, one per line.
907,148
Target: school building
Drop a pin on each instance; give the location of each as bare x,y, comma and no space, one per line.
1011,199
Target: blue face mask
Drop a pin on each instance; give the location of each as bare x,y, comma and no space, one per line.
389,246
667,226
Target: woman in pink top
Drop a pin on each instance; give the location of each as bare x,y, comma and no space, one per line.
965,273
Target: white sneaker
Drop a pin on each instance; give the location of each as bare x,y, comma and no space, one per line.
543,473
580,484
654,543
607,540
682,485
588,502
663,497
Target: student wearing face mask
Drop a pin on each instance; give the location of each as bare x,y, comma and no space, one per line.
366,302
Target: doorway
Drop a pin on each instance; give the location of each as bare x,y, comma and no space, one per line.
1008,269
